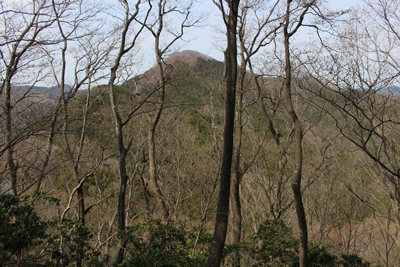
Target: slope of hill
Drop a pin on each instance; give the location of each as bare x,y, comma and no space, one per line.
187,142
180,63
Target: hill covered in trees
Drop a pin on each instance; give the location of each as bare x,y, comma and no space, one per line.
299,142
187,150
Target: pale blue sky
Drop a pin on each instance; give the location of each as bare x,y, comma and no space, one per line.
207,36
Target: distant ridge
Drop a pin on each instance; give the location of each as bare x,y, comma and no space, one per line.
393,89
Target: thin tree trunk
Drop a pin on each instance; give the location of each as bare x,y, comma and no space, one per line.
119,123
123,176
238,172
221,220
12,168
155,120
110,227
146,199
151,133
121,167
153,175
81,220
49,146
296,184
69,152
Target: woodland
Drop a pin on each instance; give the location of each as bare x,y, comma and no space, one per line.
284,154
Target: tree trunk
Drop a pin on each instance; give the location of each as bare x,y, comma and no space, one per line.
153,174
221,220
121,201
81,221
238,172
296,184
146,199
119,124
49,146
154,123
123,176
12,168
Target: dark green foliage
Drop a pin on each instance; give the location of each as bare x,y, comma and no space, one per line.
200,125
62,245
272,245
353,261
23,234
276,243
166,245
319,256
20,229
65,240
27,240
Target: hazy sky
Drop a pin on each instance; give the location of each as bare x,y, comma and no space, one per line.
206,38
203,39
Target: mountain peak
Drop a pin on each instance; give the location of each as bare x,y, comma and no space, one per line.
187,56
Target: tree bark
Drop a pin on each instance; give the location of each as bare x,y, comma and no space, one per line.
238,172
81,220
153,175
12,168
221,220
121,165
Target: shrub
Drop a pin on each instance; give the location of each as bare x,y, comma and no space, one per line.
160,244
20,230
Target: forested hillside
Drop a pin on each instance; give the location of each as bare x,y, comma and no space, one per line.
113,165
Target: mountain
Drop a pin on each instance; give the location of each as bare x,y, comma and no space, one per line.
393,89
38,93
178,62
188,56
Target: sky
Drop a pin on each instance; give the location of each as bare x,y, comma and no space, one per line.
205,39
208,37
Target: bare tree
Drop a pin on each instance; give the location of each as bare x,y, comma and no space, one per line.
253,34
158,28
20,54
91,59
127,43
357,75
221,220
289,31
